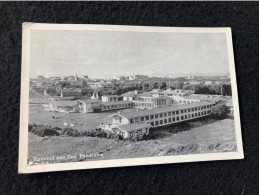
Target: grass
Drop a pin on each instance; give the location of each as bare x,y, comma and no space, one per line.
205,137
81,121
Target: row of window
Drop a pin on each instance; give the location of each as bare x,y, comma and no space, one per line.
117,106
178,118
161,115
187,101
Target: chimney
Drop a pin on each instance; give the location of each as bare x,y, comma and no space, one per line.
136,92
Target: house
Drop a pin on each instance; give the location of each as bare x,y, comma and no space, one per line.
77,93
129,96
132,131
90,105
63,106
110,98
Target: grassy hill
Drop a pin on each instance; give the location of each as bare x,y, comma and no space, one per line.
215,136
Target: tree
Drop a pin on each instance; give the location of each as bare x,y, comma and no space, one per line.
163,85
226,90
219,111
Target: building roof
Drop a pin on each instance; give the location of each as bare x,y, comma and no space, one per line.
161,97
145,112
89,100
145,94
129,94
111,96
204,97
134,126
64,103
115,103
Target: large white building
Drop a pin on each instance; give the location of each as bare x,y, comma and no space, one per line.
143,120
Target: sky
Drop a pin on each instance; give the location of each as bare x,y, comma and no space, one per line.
105,54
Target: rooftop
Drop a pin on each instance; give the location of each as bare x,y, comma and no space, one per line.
129,94
115,103
145,112
145,94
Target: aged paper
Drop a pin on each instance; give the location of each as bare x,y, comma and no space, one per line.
96,96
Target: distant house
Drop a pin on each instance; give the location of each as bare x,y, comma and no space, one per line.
90,105
129,96
110,98
77,93
63,106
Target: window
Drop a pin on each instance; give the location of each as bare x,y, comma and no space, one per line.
161,122
151,116
195,109
139,132
185,111
136,120
174,118
189,110
142,118
192,109
181,111
165,114
192,115
177,118
152,123
185,117
169,113
177,112
165,120
169,120
173,113
156,116
199,114
161,115
195,114
182,118
156,123
131,121
146,117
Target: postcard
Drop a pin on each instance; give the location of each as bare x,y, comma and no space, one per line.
99,96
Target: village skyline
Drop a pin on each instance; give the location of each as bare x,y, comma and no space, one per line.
127,75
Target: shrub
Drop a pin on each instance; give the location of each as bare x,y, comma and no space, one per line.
70,132
219,111
42,130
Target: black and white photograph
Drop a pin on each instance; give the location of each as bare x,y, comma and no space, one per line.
95,96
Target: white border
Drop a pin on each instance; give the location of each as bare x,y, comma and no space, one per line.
24,103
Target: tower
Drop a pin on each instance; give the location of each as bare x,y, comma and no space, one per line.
95,96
